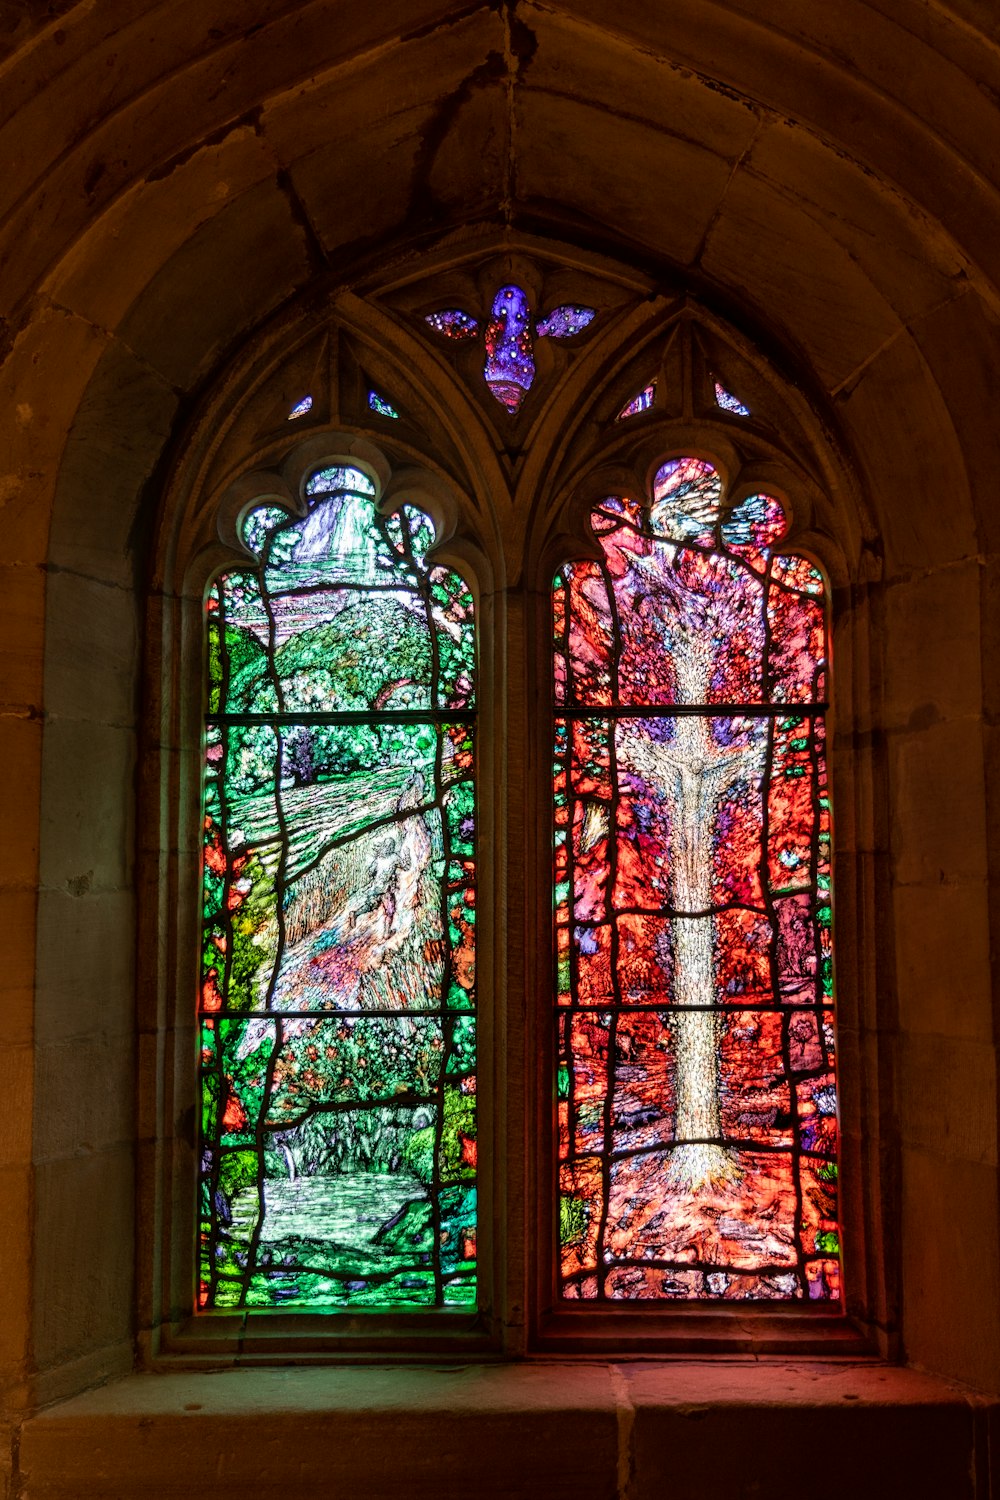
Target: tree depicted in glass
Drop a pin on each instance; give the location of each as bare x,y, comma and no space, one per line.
337,1016
697,1125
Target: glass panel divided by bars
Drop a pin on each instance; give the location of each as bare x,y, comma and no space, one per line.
338,1033
697,1121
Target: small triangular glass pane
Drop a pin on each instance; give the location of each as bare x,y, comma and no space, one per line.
728,402
381,406
642,402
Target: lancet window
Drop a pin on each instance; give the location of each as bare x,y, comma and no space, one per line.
697,1103
338,1018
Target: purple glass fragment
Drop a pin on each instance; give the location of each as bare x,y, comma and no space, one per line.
642,402
510,364
453,323
729,402
509,369
564,322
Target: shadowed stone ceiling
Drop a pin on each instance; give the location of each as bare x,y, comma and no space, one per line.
739,140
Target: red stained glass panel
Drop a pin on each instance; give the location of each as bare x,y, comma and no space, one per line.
697,1113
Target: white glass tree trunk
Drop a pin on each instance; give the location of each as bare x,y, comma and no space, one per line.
693,772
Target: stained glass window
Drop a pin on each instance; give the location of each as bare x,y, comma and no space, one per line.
566,322
454,324
510,362
697,1117
300,408
728,402
509,367
641,402
378,403
337,1012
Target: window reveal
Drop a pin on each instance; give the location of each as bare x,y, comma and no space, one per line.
697,1108
338,1033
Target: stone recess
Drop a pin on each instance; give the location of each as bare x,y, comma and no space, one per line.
188,189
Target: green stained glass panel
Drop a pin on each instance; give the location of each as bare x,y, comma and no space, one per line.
337,1003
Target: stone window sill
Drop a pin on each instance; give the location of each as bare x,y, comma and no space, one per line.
654,1430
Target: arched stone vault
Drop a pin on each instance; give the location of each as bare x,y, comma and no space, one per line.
824,178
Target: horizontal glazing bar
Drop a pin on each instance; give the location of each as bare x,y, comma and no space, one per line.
766,1268
675,710
403,1013
674,913
723,1008
365,716
746,1145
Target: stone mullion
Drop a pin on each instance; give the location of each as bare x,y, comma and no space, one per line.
511,743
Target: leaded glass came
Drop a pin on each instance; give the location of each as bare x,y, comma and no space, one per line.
697,1122
337,1013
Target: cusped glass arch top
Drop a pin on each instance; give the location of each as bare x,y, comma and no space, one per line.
697,1130
337,1011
